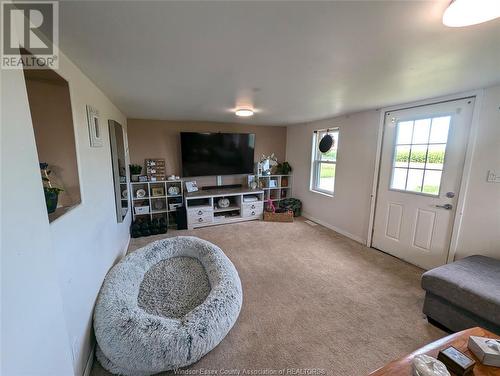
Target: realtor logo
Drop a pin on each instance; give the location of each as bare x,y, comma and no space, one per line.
30,35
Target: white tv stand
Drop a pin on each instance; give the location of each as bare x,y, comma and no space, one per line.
202,209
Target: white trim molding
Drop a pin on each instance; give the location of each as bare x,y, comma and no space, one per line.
464,184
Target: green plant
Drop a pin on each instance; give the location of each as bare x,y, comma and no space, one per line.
135,169
51,193
53,190
283,168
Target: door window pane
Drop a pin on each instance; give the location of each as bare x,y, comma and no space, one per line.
432,181
414,181
439,130
399,178
402,156
417,157
435,157
421,131
419,154
404,131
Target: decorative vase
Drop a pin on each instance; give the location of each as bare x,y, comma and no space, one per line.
51,199
223,203
173,190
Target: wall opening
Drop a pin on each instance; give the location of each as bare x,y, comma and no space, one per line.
52,118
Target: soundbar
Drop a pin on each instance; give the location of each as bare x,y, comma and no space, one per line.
227,186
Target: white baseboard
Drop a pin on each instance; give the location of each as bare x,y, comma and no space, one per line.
334,228
90,361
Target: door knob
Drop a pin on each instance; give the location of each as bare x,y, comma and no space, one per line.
445,206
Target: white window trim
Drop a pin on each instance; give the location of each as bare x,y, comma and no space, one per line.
313,180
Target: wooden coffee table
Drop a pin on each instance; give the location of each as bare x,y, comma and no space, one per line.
402,367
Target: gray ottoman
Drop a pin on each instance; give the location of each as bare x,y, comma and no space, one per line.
464,294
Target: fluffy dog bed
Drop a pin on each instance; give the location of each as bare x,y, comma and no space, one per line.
165,306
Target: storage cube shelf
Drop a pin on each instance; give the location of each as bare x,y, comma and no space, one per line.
157,199
276,187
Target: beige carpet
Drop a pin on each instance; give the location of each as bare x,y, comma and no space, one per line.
312,299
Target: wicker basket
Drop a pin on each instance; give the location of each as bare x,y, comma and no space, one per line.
279,217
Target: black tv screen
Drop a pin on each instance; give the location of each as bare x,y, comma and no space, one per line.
206,154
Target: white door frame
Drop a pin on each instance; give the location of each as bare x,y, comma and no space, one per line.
469,153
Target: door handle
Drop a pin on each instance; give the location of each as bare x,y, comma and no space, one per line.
445,206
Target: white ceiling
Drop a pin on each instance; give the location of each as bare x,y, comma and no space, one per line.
293,61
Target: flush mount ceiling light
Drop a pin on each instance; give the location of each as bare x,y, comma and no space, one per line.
470,12
243,112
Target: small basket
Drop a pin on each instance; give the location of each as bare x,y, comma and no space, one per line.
278,217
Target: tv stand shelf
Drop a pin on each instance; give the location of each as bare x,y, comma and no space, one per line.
203,210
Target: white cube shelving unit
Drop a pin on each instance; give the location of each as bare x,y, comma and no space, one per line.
276,187
158,204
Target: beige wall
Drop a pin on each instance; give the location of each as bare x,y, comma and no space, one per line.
161,139
348,210
52,272
480,229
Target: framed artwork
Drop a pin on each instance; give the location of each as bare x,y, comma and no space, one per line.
157,191
94,125
191,186
252,182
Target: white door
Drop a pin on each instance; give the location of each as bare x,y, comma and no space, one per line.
423,154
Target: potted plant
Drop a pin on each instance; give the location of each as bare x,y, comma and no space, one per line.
284,169
135,171
51,193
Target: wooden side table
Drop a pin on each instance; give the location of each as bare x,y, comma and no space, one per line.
402,367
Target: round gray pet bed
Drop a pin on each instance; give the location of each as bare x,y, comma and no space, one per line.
165,306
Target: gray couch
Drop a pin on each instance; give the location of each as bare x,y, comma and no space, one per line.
464,294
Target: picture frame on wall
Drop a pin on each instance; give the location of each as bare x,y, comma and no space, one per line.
94,126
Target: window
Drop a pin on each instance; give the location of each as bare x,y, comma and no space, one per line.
419,153
324,164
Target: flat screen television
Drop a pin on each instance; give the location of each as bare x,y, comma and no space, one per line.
208,154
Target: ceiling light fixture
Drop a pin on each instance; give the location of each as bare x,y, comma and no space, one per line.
243,112
470,12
